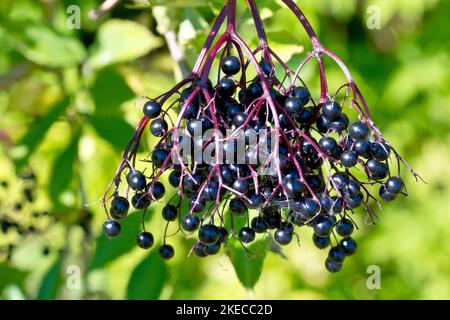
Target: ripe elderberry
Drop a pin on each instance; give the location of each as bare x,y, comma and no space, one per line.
145,240
166,251
111,228
231,66
259,149
119,207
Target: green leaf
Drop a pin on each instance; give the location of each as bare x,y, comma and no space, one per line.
107,250
51,282
236,221
108,119
121,40
108,101
44,46
248,264
148,278
11,275
283,37
192,23
113,129
178,3
63,170
36,133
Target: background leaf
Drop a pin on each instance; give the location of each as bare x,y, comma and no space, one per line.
121,40
44,46
107,102
10,274
248,264
119,137
51,282
64,169
36,133
148,278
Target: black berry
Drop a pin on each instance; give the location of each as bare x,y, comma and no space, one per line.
145,240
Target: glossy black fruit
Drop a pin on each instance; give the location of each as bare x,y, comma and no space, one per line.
226,87
321,242
349,159
336,254
140,201
136,180
344,227
331,110
111,228
145,240
208,234
237,206
394,185
152,109
332,265
246,235
190,222
302,94
158,127
293,106
231,65
159,156
386,195
119,207
212,249
223,235
199,250
259,224
283,236
323,225
169,212
359,131
348,246
377,170
166,252
156,190
380,151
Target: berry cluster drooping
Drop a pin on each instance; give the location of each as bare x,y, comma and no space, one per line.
256,146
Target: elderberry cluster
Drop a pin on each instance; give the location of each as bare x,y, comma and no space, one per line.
263,148
20,216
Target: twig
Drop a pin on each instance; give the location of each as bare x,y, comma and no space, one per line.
176,52
105,7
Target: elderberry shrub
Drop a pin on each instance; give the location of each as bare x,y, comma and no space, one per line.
259,149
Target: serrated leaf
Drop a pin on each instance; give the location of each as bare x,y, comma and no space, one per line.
121,40
51,282
63,170
248,264
107,250
36,133
148,278
44,46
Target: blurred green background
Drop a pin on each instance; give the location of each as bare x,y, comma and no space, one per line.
69,100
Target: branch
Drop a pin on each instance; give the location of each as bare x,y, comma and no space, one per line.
105,7
176,52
